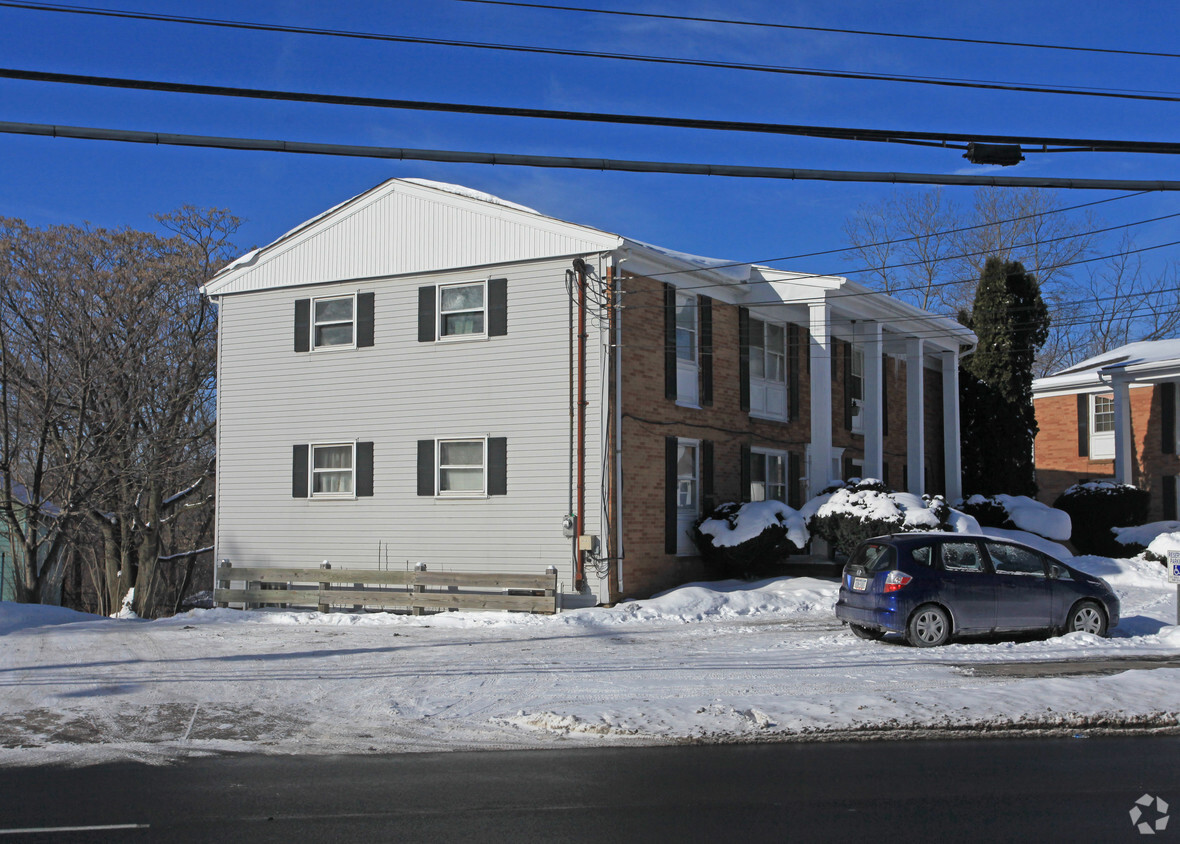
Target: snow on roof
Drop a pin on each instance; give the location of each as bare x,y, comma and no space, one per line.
471,193
735,270
1161,354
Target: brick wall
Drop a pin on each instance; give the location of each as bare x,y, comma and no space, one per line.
649,417
1058,464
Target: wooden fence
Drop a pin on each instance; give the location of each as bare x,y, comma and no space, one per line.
415,590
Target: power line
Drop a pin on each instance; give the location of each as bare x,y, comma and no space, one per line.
1157,96
835,30
949,140
576,163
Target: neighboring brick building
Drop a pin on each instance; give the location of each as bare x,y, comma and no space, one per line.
1112,417
427,373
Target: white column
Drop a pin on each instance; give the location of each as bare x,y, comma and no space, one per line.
872,414
1124,469
915,416
952,452
820,470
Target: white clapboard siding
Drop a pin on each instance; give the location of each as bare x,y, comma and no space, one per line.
393,394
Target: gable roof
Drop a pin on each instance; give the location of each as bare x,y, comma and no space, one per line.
406,226
1147,361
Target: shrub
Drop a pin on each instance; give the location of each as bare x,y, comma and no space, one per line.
1097,507
1017,512
741,540
857,510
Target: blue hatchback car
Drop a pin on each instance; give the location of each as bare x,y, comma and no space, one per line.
932,586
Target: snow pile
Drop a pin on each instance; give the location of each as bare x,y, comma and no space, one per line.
1162,544
125,609
868,501
1026,514
751,519
15,616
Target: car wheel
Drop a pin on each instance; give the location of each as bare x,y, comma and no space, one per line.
866,632
1087,617
929,626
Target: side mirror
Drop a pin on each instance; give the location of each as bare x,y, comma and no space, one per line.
1056,572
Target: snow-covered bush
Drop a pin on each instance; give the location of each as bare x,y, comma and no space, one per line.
740,539
1097,507
860,509
1153,540
1018,512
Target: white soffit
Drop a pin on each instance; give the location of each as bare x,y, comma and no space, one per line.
404,227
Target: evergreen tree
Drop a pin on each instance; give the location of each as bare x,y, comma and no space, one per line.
998,426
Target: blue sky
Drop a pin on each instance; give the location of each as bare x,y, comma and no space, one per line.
47,181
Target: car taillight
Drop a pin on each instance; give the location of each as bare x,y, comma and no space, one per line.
895,580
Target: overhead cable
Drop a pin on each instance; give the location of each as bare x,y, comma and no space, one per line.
949,140
988,42
577,163
1158,96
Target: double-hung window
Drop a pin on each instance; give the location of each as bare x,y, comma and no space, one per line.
334,322
1101,427
333,470
461,310
768,369
461,467
768,476
687,350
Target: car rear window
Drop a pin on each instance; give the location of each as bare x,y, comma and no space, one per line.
873,557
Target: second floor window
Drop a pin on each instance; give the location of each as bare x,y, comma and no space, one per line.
461,310
334,322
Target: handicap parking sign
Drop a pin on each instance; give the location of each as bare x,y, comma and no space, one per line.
1174,566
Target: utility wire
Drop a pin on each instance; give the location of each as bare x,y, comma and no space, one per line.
835,30
1157,96
950,140
577,163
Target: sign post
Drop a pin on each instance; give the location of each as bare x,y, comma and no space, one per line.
1174,577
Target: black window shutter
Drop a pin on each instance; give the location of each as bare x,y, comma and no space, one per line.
848,409
364,469
303,325
1083,425
849,469
364,319
497,466
670,453
1169,495
426,467
707,474
793,333
885,398
745,473
497,307
744,358
299,471
885,473
426,319
794,479
1168,418
670,391
706,311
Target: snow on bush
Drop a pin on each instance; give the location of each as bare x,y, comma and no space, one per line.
1096,508
741,537
864,508
1019,512
1154,538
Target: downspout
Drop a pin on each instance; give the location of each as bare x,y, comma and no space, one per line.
617,368
579,567
569,289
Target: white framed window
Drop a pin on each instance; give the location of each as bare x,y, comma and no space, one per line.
1101,427
461,467
333,322
688,467
462,310
856,388
333,470
768,369
687,350
768,475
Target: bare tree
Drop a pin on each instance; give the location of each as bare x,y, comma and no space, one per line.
118,431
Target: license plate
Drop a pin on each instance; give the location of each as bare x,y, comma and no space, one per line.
860,584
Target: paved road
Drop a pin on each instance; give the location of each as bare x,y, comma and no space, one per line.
991,790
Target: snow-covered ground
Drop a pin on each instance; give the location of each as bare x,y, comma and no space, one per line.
729,661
